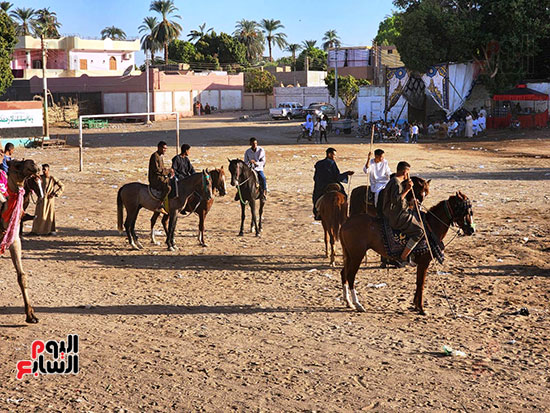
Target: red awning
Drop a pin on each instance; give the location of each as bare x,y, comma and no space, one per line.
521,92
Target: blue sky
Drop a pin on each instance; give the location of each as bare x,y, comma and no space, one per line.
355,21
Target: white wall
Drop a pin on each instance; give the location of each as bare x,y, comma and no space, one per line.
183,101
137,102
99,60
114,102
371,101
163,101
211,97
231,100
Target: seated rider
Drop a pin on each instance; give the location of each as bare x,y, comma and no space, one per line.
379,172
181,164
396,209
159,176
309,124
326,173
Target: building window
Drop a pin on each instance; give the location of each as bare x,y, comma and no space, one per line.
37,64
390,51
112,63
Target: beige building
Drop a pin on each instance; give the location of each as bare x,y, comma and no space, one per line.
74,57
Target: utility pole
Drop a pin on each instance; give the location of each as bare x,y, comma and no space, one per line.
45,85
336,80
147,82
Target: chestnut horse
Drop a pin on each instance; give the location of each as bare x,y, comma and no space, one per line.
357,203
18,173
362,232
333,209
196,204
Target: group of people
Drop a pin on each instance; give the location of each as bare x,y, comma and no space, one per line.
200,110
395,206
44,215
466,124
163,179
318,127
391,130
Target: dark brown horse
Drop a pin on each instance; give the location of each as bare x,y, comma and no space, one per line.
135,195
333,209
357,203
18,173
246,181
196,204
361,233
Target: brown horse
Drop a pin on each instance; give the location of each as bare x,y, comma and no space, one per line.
18,173
357,203
246,181
333,209
196,204
361,233
135,195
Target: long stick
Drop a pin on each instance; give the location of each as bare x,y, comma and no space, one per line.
368,174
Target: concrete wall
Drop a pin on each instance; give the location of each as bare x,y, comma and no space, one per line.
114,103
257,101
231,100
371,101
305,96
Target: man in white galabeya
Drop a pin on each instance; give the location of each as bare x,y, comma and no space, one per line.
255,157
379,172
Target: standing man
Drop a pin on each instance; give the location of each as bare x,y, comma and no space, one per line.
323,125
414,133
44,222
255,156
396,209
379,172
159,176
326,173
181,164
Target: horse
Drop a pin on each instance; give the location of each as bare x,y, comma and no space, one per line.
246,181
357,203
196,204
361,233
333,209
135,195
18,173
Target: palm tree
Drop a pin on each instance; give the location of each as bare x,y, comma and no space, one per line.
307,45
166,30
269,27
24,18
199,34
5,6
113,33
331,39
293,48
147,40
46,24
248,33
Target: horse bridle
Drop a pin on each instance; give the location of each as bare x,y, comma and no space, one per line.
465,206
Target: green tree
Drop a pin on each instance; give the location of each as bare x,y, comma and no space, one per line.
293,48
199,34
46,24
309,44
248,33
5,6
148,42
223,47
317,59
388,30
501,35
348,88
7,44
167,30
24,19
256,80
113,33
331,39
270,27
181,51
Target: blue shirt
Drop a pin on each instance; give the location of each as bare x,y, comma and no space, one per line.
4,165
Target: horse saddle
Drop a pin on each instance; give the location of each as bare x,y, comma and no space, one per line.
155,193
394,241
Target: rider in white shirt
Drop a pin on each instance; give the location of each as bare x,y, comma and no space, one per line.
379,172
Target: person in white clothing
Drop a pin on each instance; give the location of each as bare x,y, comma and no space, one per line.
255,157
309,124
379,172
453,129
482,122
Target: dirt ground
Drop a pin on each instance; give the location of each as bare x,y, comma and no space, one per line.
257,324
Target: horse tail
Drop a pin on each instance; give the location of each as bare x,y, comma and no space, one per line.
338,214
357,203
120,209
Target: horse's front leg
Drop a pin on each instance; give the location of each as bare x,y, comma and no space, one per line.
243,215
202,218
170,235
153,222
332,254
261,211
15,252
421,272
164,222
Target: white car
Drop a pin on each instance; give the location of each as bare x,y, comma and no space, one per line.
287,110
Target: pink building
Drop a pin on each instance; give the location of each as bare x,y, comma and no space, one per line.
170,91
73,57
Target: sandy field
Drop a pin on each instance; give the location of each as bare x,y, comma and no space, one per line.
257,324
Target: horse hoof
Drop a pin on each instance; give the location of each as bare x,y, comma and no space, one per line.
171,249
204,245
156,242
31,319
360,308
241,234
134,246
349,304
139,245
